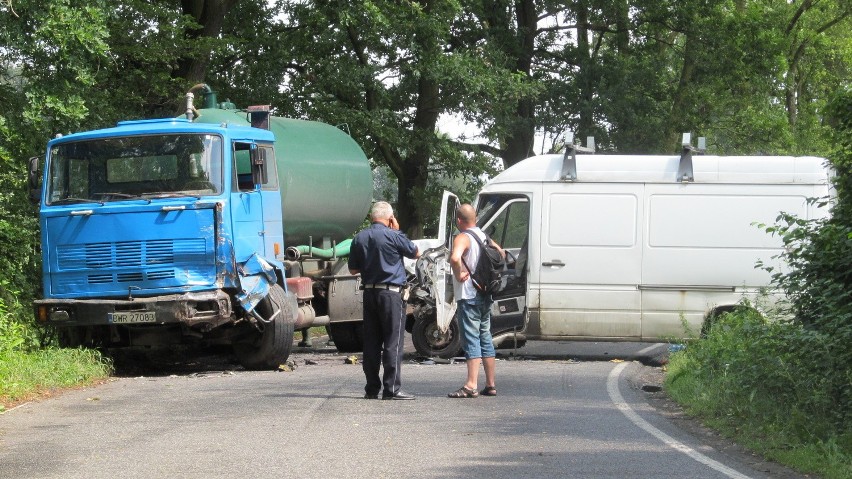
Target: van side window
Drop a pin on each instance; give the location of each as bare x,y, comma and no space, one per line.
510,224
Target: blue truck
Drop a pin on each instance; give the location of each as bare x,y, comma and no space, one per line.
228,226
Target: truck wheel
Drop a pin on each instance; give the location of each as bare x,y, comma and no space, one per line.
430,342
70,337
271,348
348,336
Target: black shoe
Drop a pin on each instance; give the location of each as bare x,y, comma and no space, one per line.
399,396
371,396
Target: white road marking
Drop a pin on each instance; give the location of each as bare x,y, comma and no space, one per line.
16,407
618,400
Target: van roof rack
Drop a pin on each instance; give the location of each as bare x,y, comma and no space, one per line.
569,160
685,172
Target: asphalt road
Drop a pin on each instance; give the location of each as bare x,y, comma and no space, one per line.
575,410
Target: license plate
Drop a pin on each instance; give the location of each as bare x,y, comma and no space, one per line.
130,317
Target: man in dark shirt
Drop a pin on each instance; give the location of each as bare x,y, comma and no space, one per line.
376,252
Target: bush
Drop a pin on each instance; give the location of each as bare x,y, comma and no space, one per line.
785,386
776,386
819,252
16,334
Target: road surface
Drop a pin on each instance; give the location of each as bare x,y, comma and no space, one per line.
558,415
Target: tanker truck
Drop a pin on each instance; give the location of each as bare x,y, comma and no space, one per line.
225,227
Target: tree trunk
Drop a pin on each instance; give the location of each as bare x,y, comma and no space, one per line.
677,120
415,167
521,135
210,14
622,23
586,73
791,96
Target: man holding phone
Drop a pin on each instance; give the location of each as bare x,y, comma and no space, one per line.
376,253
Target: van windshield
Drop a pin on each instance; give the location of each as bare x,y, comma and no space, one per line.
135,167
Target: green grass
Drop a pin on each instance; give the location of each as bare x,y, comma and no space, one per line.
26,375
772,387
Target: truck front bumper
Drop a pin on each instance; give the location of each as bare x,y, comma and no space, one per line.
202,310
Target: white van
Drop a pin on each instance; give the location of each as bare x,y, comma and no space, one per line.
628,248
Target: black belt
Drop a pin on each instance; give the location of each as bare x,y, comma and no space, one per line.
389,287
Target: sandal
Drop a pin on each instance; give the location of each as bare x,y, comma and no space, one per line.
488,391
464,392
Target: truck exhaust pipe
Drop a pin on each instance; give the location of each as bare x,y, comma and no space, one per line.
190,110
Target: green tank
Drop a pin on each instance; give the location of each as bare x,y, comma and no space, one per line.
325,178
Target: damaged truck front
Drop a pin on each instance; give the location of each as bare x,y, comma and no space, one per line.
172,231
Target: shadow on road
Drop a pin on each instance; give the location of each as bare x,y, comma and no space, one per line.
178,360
188,360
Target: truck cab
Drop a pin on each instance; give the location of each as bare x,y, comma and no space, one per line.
156,232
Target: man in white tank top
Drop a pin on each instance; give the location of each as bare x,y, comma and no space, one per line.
474,307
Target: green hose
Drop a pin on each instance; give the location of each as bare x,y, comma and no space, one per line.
341,250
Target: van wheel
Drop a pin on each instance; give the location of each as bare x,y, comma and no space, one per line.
714,317
430,342
348,336
270,348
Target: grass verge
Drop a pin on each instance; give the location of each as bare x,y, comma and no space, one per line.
772,387
28,375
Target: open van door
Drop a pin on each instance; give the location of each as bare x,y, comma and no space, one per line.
505,218
434,333
442,273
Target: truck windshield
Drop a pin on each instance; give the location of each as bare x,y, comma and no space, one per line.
135,167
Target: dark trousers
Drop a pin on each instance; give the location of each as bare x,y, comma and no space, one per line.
384,328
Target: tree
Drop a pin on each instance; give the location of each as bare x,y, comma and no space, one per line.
158,50
818,50
389,70
47,67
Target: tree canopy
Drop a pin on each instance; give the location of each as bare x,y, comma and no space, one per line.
753,76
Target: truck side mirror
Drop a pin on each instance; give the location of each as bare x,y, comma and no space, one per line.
32,180
258,165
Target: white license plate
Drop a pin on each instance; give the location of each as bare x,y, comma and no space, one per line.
131,317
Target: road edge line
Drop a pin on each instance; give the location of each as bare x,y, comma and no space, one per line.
619,402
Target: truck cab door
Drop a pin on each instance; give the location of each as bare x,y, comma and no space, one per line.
255,202
505,218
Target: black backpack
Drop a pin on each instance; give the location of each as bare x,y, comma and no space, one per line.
491,273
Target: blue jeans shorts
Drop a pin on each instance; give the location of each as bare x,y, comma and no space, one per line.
474,317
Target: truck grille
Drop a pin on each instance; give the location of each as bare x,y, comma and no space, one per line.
162,255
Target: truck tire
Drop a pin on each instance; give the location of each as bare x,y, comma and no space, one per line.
348,336
430,342
70,336
271,348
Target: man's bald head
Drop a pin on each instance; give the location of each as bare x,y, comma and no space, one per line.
466,215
